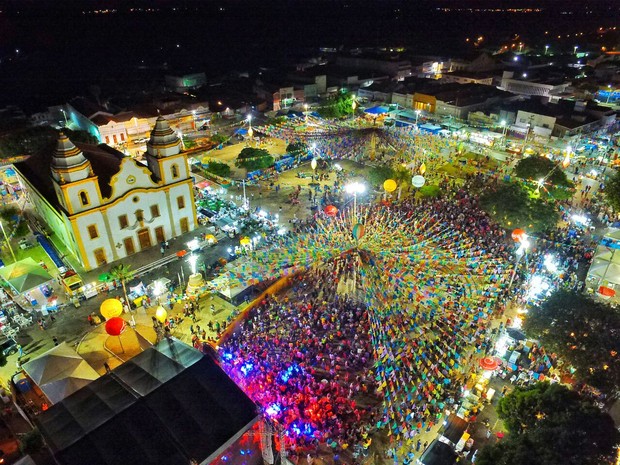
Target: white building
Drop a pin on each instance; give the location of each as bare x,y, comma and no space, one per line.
105,206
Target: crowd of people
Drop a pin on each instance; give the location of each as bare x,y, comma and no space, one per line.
306,358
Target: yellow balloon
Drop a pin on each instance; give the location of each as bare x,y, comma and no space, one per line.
111,308
423,168
245,241
389,185
161,314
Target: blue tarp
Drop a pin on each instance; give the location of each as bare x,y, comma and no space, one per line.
241,131
49,248
377,110
285,163
254,174
430,128
402,124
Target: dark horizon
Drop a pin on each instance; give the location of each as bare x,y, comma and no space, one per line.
66,46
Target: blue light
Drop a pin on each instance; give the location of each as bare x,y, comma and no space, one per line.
246,368
227,356
293,370
273,410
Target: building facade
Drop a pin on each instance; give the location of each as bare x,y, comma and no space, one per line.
105,206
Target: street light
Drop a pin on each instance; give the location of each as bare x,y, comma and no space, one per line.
575,49
355,188
546,49
505,126
609,92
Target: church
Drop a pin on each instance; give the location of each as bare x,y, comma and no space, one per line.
105,206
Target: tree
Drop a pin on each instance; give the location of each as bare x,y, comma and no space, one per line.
123,273
218,139
549,424
254,159
219,169
341,105
536,167
583,332
612,191
14,225
378,174
511,206
297,149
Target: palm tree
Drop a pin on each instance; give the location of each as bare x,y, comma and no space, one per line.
123,273
402,176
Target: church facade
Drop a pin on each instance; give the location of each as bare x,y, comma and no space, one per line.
105,206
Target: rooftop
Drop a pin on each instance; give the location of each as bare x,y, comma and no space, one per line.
166,405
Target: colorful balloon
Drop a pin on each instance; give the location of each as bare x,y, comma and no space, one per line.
389,185
111,308
418,181
358,231
330,210
115,326
518,234
161,314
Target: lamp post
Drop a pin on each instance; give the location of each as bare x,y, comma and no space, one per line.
7,242
520,252
505,126
609,93
546,50
575,49
355,188
417,115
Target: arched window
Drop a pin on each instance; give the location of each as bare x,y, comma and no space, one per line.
84,198
175,171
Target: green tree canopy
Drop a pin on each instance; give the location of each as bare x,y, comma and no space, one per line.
219,169
219,138
549,424
252,159
536,167
339,106
297,147
123,273
378,174
583,332
612,191
512,207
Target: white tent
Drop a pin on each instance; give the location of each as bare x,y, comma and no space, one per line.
60,372
605,268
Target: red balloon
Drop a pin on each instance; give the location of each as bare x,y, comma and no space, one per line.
517,235
330,210
115,326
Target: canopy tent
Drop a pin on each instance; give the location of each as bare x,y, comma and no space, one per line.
60,372
24,275
438,453
164,405
241,132
378,110
203,184
454,429
605,267
430,128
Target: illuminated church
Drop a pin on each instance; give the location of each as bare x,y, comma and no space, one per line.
105,206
